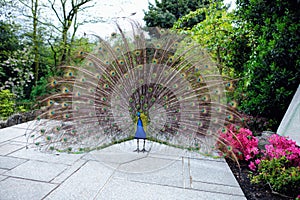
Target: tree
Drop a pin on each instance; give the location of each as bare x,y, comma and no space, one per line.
260,44
34,8
67,15
35,40
167,12
15,60
214,33
272,69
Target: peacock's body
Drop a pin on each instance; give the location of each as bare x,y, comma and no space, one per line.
172,82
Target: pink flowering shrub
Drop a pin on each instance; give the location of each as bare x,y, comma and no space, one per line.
281,146
253,164
238,142
278,165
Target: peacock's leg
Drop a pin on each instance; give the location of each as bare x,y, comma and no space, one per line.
137,149
144,150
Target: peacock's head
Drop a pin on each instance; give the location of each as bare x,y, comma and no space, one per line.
138,114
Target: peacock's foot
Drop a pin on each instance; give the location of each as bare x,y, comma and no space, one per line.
137,150
144,150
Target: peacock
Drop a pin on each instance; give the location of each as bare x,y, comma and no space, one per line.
140,133
159,87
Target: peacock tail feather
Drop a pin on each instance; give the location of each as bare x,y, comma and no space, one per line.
174,83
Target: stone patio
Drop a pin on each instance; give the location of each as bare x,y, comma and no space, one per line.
112,173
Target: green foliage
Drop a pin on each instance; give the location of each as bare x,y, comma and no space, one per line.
48,71
281,178
80,45
40,89
271,69
258,44
7,104
214,33
15,61
257,123
18,72
9,40
21,109
166,12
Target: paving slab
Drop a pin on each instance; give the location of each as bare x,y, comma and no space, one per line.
84,184
146,164
119,189
212,171
2,177
10,133
115,172
26,125
21,139
171,175
8,148
36,170
179,174
2,171
19,189
10,162
217,188
121,156
54,157
113,158
128,147
69,171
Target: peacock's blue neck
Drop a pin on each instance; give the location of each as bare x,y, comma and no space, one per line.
140,123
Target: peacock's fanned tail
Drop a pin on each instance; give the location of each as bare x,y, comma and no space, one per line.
171,81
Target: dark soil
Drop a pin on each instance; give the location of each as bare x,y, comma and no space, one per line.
252,191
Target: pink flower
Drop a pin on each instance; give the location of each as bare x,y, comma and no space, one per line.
282,146
252,166
255,150
244,144
248,157
257,161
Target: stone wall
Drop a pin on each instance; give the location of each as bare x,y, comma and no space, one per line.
19,118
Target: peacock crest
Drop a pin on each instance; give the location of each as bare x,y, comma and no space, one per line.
172,82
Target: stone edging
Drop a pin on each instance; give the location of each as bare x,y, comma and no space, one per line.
19,118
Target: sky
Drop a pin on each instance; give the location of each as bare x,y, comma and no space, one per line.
115,10
118,9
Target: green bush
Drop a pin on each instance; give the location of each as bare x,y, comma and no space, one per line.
40,89
7,104
281,178
24,105
257,124
269,57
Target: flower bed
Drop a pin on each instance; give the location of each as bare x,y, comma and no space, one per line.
277,166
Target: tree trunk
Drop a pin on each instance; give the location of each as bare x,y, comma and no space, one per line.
64,45
34,11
